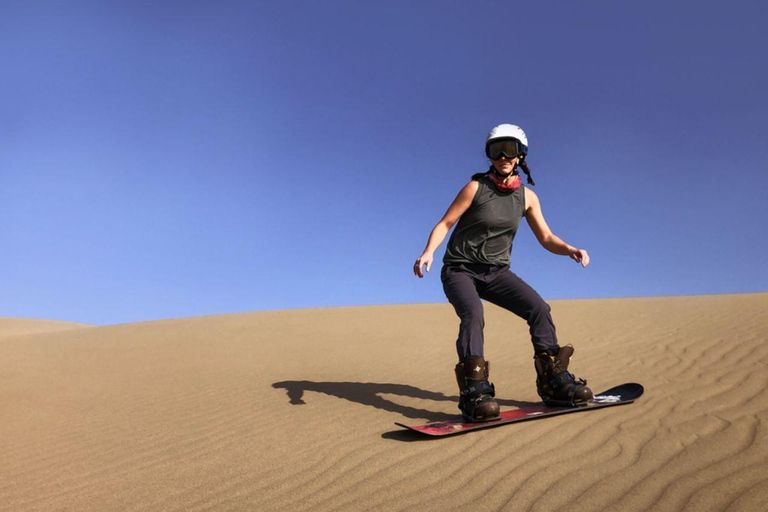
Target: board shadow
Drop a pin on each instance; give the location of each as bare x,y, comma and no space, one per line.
368,393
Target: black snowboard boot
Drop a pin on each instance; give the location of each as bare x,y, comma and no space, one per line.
476,401
557,386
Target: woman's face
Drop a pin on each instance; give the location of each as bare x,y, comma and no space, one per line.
505,165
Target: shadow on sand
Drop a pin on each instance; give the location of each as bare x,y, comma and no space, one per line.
367,393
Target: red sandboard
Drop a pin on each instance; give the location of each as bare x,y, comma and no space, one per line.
620,395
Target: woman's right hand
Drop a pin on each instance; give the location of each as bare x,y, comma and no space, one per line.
455,211
424,259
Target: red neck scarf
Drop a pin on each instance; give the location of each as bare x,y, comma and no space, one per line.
510,186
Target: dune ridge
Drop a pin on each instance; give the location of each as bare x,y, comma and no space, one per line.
295,410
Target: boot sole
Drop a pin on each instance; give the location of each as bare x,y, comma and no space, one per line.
483,420
564,403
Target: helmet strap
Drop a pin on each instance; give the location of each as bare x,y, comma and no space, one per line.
503,177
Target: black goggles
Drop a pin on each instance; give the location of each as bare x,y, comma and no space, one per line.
510,148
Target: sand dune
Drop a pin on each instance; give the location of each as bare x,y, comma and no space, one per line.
295,410
20,326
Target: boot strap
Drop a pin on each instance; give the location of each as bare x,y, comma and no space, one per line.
561,380
478,388
565,378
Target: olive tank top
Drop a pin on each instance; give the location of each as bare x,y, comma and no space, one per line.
485,232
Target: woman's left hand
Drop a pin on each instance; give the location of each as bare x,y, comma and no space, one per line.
580,256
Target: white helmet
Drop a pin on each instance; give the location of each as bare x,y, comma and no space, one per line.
508,131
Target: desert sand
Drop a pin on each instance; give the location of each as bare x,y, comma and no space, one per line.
295,410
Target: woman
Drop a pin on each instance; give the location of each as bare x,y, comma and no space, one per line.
476,266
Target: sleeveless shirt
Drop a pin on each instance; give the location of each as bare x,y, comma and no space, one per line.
485,232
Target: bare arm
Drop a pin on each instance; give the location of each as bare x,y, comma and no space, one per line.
455,211
544,235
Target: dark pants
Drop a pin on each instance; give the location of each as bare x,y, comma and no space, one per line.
465,284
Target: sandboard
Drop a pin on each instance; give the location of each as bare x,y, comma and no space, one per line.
619,395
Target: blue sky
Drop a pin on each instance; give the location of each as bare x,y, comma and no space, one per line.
171,159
